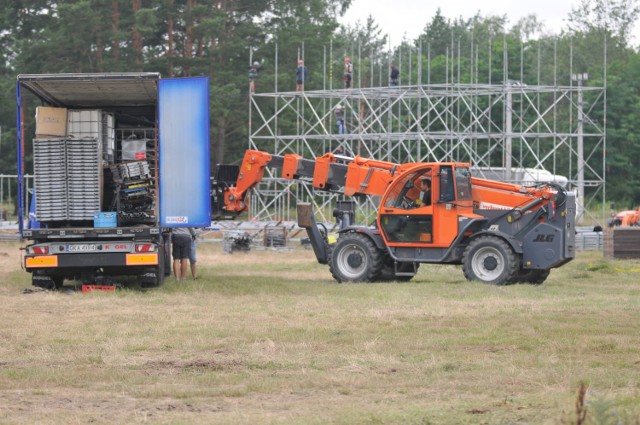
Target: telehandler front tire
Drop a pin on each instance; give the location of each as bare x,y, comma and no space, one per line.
490,260
355,258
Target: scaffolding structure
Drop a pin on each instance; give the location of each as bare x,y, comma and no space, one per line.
509,126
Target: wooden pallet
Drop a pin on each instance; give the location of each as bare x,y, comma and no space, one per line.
622,243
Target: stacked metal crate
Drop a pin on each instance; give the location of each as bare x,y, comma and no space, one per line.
84,177
68,178
68,169
49,158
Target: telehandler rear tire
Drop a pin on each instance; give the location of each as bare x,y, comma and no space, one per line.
533,277
490,260
355,258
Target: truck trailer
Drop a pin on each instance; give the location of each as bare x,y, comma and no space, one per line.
108,164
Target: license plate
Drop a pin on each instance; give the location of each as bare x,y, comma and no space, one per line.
85,247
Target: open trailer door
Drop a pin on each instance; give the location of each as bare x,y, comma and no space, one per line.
183,120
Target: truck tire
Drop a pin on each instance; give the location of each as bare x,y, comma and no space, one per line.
154,278
355,258
166,243
162,273
47,282
58,281
160,270
534,277
491,260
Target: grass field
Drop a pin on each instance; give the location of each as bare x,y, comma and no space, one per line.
270,338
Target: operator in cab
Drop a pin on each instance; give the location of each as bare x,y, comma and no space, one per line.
424,184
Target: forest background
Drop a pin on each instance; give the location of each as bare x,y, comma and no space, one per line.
220,38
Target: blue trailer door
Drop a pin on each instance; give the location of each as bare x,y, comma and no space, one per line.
183,124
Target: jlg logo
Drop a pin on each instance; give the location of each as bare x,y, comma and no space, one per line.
544,238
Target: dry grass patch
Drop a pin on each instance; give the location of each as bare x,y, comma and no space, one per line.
269,337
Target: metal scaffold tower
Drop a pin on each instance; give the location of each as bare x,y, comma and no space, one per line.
508,126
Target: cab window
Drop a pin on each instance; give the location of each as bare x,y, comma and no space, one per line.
408,228
412,191
463,184
399,191
447,193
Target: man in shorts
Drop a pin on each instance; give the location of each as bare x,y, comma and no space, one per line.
181,238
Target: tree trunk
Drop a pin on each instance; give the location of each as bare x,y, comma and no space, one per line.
136,38
219,144
170,36
188,42
99,10
115,28
200,43
99,46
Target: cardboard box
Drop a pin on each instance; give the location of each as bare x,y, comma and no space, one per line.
51,121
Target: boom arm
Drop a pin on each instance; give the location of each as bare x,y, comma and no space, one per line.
490,194
328,172
355,176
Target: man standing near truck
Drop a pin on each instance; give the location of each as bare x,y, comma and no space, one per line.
181,238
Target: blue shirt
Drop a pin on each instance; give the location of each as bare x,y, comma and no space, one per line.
301,74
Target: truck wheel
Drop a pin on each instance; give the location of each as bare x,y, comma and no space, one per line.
534,277
491,260
354,258
161,272
153,278
167,255
58,281
47,282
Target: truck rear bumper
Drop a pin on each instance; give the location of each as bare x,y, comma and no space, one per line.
89,260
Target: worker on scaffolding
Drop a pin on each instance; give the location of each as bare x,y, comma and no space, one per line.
301,75
348,72
254,69
339,114
393,76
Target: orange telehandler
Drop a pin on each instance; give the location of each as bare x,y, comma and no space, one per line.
626,218
501,233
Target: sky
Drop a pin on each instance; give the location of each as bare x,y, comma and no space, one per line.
398,18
